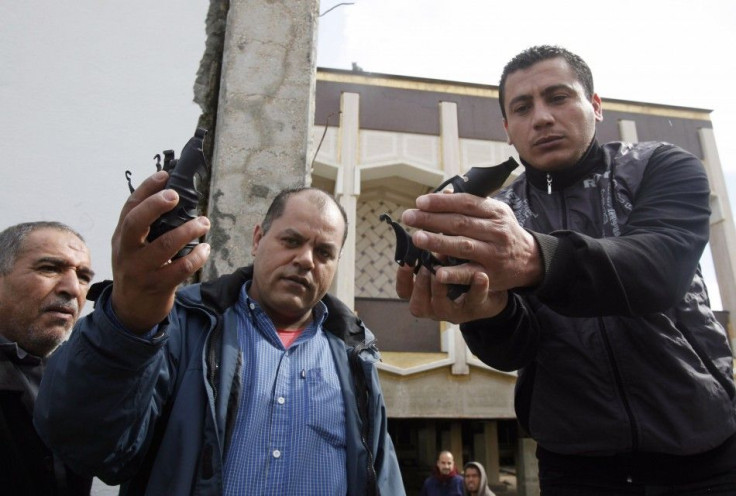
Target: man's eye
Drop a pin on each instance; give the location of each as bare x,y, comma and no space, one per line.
325,254
520,109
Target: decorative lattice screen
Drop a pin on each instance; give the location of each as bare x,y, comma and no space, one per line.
375,270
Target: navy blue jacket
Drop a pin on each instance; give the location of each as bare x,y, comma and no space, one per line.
157,415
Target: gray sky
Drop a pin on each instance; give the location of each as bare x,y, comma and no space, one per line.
674,52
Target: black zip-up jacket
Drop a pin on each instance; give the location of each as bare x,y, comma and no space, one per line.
617,349
27,466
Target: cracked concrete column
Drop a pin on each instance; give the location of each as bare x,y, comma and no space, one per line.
264,113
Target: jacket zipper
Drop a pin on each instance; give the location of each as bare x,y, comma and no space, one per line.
563,202
609,349
549,183
361,395
620,387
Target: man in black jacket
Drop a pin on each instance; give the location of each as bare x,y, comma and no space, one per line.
44,277
584,276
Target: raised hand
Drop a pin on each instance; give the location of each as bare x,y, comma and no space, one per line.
501,255
144,276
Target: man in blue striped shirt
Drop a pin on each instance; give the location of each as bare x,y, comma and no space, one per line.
289,434
256,383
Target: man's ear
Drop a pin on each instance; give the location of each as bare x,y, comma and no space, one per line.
506,128
597,107
257,236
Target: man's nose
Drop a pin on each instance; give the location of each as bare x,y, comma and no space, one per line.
69,284
542,116
305,257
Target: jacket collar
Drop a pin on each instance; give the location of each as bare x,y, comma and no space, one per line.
592,158
222,293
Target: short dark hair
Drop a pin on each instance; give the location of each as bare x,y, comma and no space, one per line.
276,209
535,54
12,239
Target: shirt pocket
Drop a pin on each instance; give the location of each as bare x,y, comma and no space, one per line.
325,408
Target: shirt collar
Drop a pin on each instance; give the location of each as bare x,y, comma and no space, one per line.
319,312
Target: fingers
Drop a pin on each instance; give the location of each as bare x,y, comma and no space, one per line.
141,210
151,185
478,292
146,204
143,296
136,224
459,247
420,301
140,258
480,230
145,276
429,296
404,281
163,248
443,203
481,219
462,274
177,271
480,302
484,235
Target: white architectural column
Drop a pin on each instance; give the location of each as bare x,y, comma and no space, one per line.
627,130
460,364
450,144
449,139
722,230
347,191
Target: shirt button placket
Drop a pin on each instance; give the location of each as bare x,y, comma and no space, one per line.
279,444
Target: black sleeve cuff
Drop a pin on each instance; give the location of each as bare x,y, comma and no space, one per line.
499,324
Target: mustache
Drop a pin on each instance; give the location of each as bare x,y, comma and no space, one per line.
62,305
299,279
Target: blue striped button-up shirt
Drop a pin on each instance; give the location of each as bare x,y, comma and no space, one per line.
289,436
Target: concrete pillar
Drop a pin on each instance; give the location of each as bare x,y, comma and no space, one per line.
492,458
347,191
445,442
265,111
479,449
527,470
456,444
427,443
